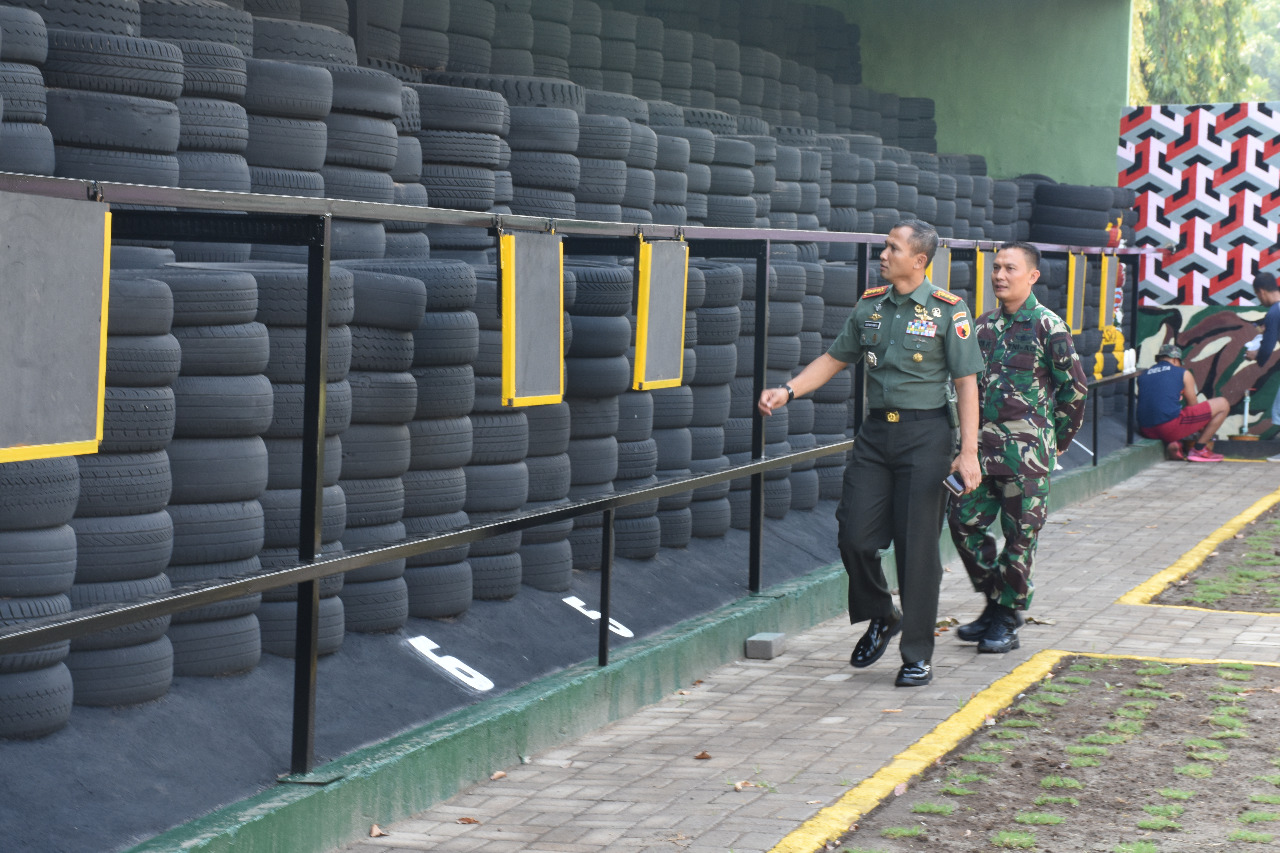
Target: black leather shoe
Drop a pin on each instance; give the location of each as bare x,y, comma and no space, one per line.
916,674
874,642
977,629
1002,632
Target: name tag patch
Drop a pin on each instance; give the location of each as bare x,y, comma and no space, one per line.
924,328
871,324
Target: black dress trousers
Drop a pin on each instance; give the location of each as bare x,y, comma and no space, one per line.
893,493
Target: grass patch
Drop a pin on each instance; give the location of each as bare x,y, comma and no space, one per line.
1085,761
1155,669
1208,756
1131,713
1087,666
1001,734
1088,750
1259,817
1020,724
1051,800
967,778
933,808
1227,735
1075,679
1135,847
1056,701
1227,721
1059,688
1265,799
1195,771
1038,819
1273,779
1199,743
1013,839
902,831
1175,794
983,758
1061,782
1164,810
1236,676
1159,823
1145,693
1239,667
1249,836
1033,708
1128,727
957,791
1100,738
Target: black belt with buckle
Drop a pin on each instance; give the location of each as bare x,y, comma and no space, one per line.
894,416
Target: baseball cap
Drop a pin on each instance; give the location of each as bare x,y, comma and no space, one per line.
1170,351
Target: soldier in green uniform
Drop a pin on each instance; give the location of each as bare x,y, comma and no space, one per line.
912,337
1033,397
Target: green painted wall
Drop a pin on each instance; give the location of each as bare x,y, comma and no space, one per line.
1032,86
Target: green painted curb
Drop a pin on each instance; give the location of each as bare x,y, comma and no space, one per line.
338,802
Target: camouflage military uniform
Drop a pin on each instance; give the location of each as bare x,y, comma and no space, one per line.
1032,404
911,345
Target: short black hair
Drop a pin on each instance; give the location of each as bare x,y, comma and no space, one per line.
1265,281
924,237
1032,253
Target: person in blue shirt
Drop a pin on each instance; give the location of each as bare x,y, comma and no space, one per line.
1268,293
1168,410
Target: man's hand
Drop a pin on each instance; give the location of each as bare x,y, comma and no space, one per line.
770,399
1251,355
969,469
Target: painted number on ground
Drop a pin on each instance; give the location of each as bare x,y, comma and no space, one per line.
594,615
450,664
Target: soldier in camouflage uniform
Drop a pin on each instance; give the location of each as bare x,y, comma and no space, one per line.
1032,404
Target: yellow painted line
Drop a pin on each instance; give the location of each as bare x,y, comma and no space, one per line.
835,820
1188,562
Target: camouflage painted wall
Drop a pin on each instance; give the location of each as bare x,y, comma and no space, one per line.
1212,340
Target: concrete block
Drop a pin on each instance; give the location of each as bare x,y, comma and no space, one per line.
766,646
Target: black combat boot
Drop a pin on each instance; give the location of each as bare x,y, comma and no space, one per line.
1002,631
977,629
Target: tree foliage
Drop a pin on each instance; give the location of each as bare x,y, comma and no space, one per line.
1191,51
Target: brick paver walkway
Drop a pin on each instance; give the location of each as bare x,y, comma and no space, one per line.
805,726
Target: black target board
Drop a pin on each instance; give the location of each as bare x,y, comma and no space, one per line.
54,269
660,313
532,272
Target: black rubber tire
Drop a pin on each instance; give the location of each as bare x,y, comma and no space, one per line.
1070,195
460,147
437,443
217,647
446,337
445,392
122,676
301,41
216,533
553,129
25,37
446,107
222,406
280,508
603,137
375,450
216,470
14,611
496,488
518,91
376,607
87,595
459,187
437,592
104,62
34,704
496,577
365,142
108,120
37,562
434,492
376,348
499,437
278,621
123,484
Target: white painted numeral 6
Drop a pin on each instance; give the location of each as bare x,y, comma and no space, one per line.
450,664
581,606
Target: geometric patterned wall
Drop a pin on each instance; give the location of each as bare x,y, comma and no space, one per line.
1207,179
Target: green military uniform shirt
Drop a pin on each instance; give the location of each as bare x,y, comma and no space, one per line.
1033,397
911,345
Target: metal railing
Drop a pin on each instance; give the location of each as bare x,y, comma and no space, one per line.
217,216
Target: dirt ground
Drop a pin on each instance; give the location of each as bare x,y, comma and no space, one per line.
1104,755
1243,573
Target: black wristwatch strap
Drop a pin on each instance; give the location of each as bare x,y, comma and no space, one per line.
791,392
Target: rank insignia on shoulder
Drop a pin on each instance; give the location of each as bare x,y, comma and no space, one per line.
947,297
875,291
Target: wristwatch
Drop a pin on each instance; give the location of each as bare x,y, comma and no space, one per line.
791,392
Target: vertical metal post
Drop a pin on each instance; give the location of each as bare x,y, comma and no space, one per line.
1131,275
606,585
859,370
1096,394
311,511
757,420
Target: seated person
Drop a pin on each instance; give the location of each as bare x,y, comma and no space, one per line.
1168,411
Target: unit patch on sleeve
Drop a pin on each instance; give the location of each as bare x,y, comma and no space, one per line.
962,328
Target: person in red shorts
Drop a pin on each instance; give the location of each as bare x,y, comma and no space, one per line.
1168,410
